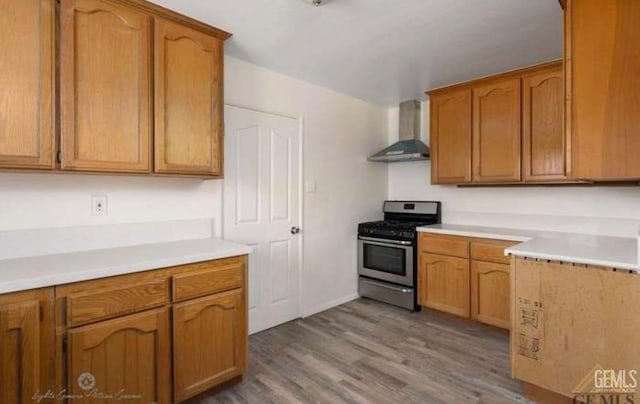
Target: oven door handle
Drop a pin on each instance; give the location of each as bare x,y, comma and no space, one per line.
386,241
402,290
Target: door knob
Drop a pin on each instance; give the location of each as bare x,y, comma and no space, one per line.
295,230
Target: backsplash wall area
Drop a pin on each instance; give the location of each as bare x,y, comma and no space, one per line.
607,210
49,213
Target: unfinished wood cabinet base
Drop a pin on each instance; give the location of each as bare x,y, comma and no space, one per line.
544,396
570,321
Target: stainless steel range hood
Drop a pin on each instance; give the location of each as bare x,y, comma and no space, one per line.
409,147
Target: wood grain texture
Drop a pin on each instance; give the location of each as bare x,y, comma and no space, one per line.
188,101
544,145
95,305
569,319
443,244
27,69
496,131
603,84
209,342
26,345
443,283
491,250
450,137
165,13
370,352
105,87
540,395
217,278
107,340
130,354
490,286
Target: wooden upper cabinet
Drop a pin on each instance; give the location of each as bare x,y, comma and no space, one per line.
105,87
129,354
26,345
603,87
188,100
450,137
496,131
209,342
544,146
27,77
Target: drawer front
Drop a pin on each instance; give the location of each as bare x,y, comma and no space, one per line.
188,285
491,251
83,308
445,245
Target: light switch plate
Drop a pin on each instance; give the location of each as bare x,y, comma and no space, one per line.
310,186
99,205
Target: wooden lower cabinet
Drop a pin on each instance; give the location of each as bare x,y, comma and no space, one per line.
127,338
210,344
443,283
126,357
465,276
490,293
26,345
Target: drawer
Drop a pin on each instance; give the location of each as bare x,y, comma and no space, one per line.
491,251
216,278
101,304
443,244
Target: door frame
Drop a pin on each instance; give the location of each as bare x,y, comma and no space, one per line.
301,192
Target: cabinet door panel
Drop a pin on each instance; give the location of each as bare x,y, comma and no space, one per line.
209,342
26,345
188,101
20,351
496,131
603,70
443,283
451,137
490,285
544,156
106,87
26,74
130,355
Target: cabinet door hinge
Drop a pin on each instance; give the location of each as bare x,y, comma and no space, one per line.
41,313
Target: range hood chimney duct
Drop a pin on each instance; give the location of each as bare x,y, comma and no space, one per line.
409,147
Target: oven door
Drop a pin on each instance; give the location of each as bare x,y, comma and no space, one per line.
387,260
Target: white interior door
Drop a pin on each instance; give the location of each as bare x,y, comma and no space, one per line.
261,206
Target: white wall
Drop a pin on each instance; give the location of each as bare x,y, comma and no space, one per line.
596,210
29,201
339,133
51,213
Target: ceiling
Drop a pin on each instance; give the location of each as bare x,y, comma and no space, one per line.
385,51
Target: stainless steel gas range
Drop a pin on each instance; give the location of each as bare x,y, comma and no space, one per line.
387,252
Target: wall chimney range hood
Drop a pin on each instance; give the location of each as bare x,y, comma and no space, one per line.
409,147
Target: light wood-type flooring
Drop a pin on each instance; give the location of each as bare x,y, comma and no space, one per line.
369,352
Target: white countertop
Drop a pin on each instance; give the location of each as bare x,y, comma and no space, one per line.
47,270
615,252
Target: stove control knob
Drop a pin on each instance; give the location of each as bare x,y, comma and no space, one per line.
393,233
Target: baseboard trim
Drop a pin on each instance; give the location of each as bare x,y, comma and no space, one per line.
329,305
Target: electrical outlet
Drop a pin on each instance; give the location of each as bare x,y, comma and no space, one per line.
98,205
